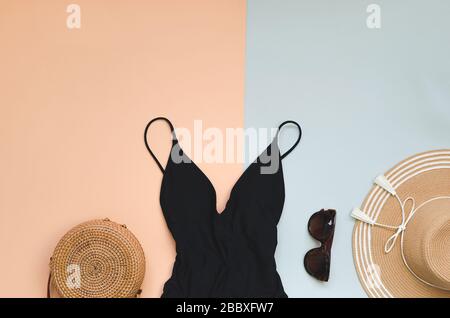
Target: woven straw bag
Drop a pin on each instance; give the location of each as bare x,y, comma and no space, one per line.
97,259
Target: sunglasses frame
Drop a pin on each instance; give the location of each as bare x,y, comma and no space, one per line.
324,248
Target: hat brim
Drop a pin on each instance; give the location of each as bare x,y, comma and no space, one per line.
384,275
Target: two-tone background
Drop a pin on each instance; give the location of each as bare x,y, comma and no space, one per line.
74,102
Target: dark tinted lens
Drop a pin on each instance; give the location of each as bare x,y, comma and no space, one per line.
321,224
317,264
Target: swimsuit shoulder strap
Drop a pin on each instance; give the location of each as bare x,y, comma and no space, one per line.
174,138
298,138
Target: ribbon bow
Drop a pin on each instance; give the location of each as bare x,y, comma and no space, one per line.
384,183
390,243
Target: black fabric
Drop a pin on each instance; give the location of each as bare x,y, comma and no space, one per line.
228,254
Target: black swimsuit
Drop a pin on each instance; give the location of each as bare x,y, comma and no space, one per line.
230,254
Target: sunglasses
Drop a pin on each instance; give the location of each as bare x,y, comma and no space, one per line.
321,227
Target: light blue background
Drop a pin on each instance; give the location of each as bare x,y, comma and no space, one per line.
366,99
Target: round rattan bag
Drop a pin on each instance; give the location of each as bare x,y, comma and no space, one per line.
97,259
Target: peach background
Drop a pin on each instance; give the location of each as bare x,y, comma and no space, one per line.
73,106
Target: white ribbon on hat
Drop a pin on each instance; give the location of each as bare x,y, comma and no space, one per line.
360,215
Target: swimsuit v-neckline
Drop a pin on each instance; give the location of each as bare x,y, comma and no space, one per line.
202,173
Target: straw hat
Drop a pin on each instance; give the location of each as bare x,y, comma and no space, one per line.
406,256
